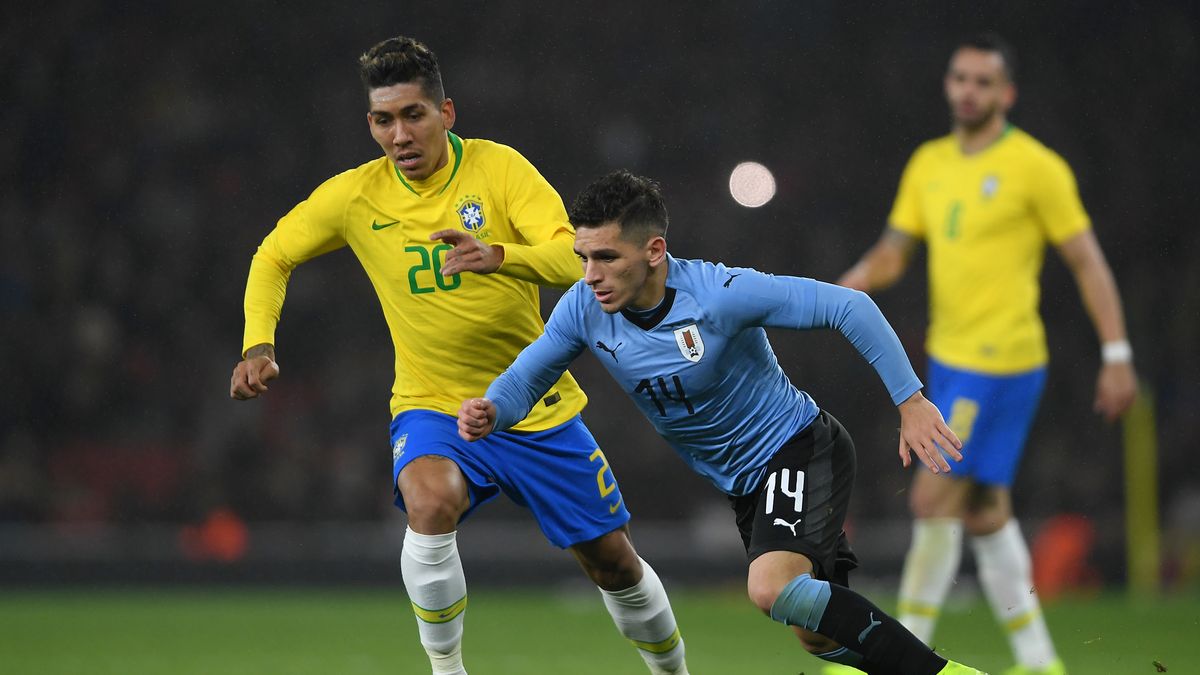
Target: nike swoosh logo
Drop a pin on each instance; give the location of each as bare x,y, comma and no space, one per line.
614,507
379,226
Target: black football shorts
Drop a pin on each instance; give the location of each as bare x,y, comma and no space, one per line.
801,504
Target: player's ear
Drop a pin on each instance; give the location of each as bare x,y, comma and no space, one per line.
1010,96
657,249
448,116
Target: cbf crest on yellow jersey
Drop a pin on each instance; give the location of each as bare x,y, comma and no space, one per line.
452,334
986,219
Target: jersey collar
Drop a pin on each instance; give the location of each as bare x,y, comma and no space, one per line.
648,320
456,146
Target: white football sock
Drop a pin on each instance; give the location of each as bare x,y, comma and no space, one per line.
929,570
1006,574
436,586
643,614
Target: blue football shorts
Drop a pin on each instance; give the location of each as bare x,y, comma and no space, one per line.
559,474
991,414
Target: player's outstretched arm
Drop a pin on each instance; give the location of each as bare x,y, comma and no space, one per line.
1116,385
922,430
469,254
251,375
476,418
883,264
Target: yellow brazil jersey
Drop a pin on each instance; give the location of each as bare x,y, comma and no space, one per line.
986,218
452,335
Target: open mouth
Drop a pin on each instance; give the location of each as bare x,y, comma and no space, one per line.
408,160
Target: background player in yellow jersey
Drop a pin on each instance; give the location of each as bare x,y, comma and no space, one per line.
455,235
986,199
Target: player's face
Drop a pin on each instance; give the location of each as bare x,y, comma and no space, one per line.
618,270
411,128
977,87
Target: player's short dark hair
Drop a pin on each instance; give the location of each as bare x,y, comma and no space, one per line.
634,203
992,42
400,60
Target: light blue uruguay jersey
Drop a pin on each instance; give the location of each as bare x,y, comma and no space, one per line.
699,366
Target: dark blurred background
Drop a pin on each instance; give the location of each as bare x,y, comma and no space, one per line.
145,150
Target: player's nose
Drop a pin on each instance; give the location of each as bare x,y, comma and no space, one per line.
401,136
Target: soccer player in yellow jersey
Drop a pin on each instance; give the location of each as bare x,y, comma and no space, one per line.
986,199
456,235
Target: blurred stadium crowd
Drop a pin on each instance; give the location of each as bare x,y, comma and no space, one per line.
146,152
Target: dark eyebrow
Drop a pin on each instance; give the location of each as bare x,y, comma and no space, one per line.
413,107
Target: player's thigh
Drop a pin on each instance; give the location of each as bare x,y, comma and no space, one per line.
939,495
437,479
563,477
801,505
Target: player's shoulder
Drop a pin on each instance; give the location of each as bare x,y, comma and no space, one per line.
933,151
1033,151
488,150
352,181
694,273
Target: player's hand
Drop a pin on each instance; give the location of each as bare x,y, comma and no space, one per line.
922,430
1116,387
476,417
469,254
856,278
250,377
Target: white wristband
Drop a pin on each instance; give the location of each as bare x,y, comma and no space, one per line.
1117,351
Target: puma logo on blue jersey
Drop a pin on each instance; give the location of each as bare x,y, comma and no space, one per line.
730,279
612,352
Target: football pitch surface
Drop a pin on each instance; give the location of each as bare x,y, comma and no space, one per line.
509,632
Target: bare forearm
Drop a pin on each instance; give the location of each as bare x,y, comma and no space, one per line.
1098,290
882,265
263,349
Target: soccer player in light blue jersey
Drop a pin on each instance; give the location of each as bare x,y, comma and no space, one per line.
686,340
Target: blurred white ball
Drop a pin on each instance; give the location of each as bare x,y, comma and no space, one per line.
751,184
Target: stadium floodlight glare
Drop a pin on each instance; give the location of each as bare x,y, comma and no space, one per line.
751,184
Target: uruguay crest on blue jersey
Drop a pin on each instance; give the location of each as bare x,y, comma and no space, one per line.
470,213
691,345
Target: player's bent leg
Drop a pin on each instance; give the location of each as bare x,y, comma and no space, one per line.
1006,574
435,494
636,600
867,638
435,497
938,504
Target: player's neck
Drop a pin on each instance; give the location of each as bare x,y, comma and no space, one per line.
652,292
972,141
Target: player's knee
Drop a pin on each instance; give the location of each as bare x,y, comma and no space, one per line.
762,593
984,522
613,568
988,509
923,505
434,503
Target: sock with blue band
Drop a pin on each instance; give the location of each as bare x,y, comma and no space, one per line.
861,628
